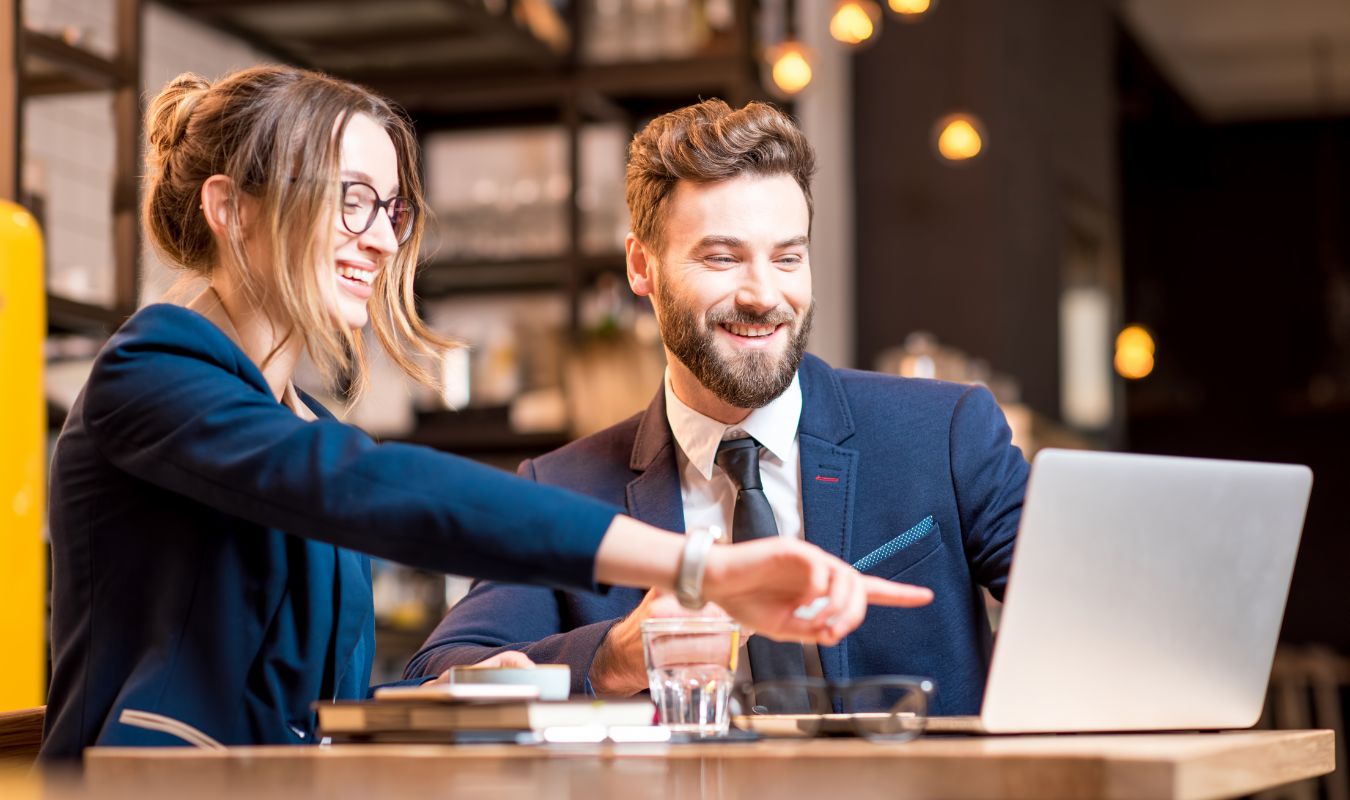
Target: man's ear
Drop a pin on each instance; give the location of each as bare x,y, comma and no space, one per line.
640,265
218,203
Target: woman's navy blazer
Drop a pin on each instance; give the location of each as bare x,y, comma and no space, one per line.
205,586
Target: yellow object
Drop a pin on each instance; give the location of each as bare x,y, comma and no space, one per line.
959,138
911,9
791,66
855,21
23,415
1134,352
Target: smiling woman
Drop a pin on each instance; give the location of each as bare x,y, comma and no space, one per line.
212,208
208,520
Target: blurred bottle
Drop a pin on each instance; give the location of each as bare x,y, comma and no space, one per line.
645,34
606,308
497,366
605,34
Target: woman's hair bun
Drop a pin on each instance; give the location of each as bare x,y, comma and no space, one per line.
170,112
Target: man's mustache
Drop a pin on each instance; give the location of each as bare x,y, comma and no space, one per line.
778,316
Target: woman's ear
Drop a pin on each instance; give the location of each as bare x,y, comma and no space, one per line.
218,203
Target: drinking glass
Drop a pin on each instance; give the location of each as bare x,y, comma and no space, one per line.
691,667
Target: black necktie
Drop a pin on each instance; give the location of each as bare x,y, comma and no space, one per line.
753,519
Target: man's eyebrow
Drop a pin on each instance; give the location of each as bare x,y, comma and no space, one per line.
719,241
796,241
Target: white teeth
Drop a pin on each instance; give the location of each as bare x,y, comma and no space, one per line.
749,330
366,276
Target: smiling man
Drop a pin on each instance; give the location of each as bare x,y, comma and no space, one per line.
911,480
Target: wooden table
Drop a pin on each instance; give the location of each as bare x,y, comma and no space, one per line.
1115,766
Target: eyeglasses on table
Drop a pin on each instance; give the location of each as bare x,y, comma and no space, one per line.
884,708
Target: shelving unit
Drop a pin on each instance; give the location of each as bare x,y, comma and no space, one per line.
436,62
49,65
440,278
9,100
471,65
456,65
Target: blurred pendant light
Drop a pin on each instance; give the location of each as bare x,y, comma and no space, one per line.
911,10
789,63
855,22
959,137
790,66
1134,352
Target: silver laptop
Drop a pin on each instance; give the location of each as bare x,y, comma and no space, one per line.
1146,593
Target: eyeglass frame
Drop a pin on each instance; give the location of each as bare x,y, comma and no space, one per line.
842,689
384,204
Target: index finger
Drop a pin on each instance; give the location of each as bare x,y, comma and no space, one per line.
881,592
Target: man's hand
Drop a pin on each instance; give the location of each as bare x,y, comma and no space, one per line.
619,669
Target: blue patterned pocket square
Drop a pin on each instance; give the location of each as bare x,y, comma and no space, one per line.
895,545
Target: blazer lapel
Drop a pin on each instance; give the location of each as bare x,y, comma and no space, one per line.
355,600
356,604
828,474
654,495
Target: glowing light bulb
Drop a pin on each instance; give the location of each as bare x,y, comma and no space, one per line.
911,10
855,21
790,66
1135,337
1134,352
959,137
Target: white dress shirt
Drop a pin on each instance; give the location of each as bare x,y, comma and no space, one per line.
709,496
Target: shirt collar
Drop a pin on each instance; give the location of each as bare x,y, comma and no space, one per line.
774,426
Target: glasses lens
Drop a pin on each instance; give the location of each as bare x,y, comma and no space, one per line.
888,710
401,216
777,709
358,207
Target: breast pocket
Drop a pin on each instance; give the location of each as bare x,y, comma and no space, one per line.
903,551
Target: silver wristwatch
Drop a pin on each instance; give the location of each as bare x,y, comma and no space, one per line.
693,563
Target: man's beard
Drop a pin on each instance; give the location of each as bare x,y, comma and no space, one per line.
751,379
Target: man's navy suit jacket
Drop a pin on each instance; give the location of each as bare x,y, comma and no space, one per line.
918,477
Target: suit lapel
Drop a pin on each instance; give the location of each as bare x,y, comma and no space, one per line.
654,495
828,472
828,475
356,604
828,469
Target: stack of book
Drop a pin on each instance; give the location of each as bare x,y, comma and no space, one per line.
442,713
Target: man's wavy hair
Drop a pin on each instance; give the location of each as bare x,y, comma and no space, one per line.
707,142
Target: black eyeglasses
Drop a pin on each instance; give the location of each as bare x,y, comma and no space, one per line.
886,708
361,204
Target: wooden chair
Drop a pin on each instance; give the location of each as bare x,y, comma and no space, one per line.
20,736
1307,684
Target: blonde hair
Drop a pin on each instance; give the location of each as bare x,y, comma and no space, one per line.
275,132
706,142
